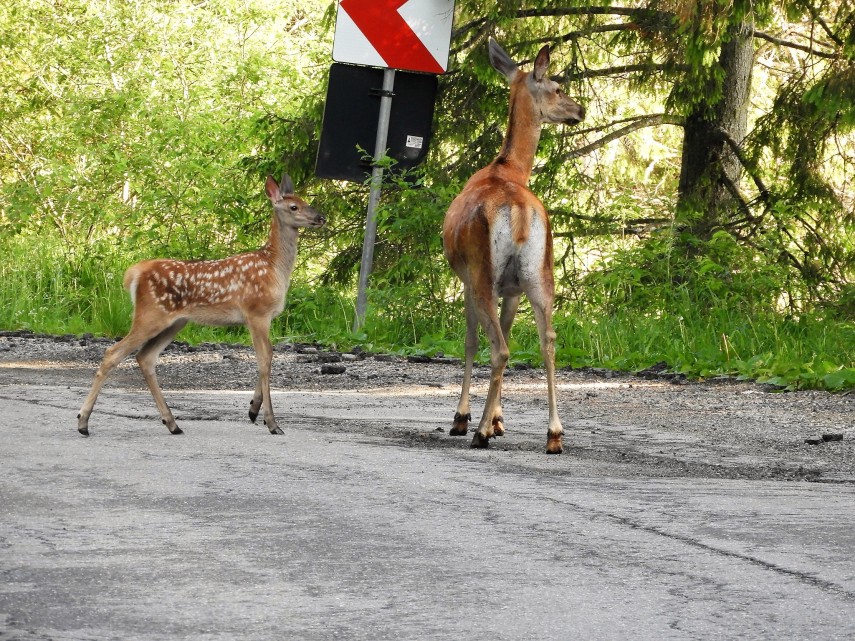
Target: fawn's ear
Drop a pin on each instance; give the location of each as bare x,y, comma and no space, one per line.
272,189
501,61
286,185
541,63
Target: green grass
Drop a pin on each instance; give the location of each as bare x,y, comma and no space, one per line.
809,353
45,289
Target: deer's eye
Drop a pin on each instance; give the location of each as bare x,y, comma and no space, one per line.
294,207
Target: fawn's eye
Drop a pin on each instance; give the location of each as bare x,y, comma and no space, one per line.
294,207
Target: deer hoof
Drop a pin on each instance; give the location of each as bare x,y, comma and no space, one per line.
276,430
177,430
461,424
554,446
479,442
83,425
498,426
254,409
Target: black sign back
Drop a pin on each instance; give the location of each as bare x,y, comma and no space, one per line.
350,121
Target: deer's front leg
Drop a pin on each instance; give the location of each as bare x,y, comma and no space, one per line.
255,403
259,329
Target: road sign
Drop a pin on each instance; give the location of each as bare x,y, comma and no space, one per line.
411,35
351,120
405,35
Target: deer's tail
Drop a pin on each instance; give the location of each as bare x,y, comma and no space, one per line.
132,277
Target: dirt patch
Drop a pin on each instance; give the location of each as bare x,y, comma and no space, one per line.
652,424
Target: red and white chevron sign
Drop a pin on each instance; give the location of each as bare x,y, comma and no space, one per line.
412,35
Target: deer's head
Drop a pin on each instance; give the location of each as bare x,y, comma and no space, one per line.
553,105
290,209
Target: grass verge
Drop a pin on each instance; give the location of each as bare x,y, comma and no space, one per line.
46,289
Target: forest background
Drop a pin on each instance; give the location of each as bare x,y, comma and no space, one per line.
703,212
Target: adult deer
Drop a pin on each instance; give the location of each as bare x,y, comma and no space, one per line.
247,289
498,240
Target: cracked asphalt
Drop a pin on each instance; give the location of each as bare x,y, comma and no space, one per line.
678,510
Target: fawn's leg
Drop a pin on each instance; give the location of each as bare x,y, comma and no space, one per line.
257,398
147,359
259,329
114,355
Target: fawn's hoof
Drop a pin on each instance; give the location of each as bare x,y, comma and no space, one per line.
554,445
254,410
82,426
171,426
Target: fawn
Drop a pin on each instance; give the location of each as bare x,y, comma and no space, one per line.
246,289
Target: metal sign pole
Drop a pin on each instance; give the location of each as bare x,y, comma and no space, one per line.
374,198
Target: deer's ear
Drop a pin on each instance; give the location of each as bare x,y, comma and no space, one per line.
286,185
501,61
272,189
541,63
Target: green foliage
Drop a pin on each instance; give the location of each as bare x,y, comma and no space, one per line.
721,310
46,289
131,119
833,98
136,129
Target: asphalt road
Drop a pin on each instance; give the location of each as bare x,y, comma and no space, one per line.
341,530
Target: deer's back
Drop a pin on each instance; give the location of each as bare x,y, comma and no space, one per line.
211,292
494,216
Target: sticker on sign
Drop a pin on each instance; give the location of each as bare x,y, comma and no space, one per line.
415,142
412,35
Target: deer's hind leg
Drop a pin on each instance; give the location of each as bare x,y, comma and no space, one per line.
147,359
115,354
499,355
463,414
541,303
510,304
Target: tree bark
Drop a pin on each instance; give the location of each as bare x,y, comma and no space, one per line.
709,168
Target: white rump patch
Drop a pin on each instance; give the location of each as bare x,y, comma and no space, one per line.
516,267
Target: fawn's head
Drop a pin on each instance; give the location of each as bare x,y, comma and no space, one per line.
553,104
290,209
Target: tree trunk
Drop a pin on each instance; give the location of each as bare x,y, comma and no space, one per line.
709,170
